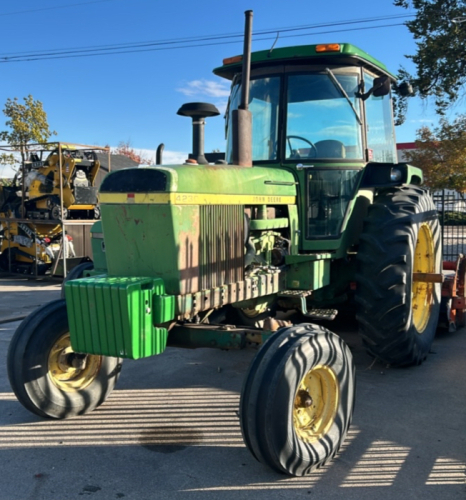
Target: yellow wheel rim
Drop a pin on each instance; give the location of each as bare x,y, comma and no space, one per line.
64,374
423,293
315,404
253,312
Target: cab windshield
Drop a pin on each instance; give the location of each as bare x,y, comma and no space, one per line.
322,117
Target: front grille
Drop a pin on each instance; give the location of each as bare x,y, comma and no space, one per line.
221,245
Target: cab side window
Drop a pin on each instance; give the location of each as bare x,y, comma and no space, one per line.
380,127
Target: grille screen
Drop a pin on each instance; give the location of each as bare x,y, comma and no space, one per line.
221,251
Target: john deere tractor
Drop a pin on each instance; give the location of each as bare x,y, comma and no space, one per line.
308,215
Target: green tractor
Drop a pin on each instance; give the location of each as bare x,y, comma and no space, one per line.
309,213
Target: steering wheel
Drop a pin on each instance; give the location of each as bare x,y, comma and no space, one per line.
295,153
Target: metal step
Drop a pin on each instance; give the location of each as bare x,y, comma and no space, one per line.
294,294
328,314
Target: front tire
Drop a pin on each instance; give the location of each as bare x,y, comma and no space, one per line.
77,272
297,399
398,315
47,376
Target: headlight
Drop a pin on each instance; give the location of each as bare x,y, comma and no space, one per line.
395,175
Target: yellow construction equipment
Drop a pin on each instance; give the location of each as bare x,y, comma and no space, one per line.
79,168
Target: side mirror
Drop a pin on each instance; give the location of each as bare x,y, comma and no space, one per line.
380,87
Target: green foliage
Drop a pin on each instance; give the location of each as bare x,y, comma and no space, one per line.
400,103
27,124
441,52
441,154
6,182
7,159
453,219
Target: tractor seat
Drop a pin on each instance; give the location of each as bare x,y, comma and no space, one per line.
330,149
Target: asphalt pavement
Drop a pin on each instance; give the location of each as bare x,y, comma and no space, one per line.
170,429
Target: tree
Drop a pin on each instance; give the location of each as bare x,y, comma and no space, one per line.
125,149
27,124
441,154
440,59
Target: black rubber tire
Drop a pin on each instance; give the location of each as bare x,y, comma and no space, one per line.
384,278
444,314
55,213
4,260
269,391
27,364
76,273
245,402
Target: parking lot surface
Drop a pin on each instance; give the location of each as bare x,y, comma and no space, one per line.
170,429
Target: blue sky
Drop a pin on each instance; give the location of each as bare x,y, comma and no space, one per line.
134,97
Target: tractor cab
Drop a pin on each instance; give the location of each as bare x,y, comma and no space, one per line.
324,112
326,103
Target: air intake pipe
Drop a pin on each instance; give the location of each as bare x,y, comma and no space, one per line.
198,111
159,154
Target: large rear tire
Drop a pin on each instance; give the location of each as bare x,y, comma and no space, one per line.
397,315
47,376
297,399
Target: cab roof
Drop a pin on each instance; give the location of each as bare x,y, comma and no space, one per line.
333,53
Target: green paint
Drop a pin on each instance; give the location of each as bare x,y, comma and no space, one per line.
196,336
298,259
98,248
308,275
225,179
163,308
152,240
115,317
342,273
262,225
347,53
415,175
264,245
294,228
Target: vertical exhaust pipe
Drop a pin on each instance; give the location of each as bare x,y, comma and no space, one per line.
159,154
246,60
242,117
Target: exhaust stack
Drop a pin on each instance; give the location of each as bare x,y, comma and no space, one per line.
242,117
